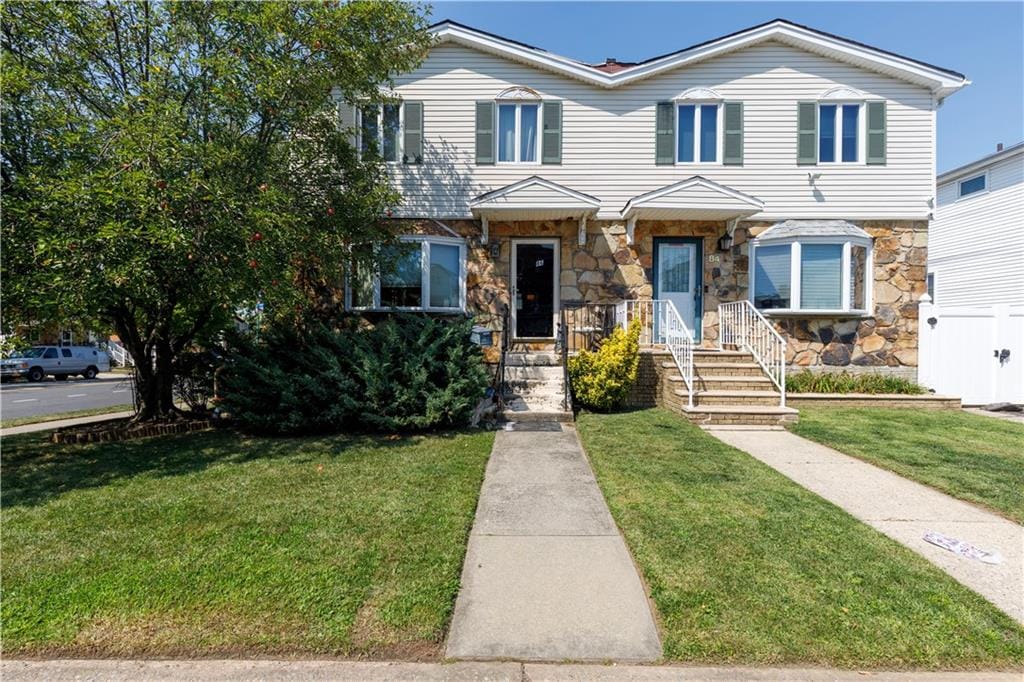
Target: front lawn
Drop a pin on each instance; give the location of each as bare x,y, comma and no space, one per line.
217,544
974,458
747,567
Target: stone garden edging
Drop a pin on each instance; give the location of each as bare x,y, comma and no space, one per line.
121,429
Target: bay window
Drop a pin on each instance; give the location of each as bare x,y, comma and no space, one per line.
419,273
517,133
827,275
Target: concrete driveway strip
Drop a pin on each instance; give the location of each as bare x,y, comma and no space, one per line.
547,576
902,509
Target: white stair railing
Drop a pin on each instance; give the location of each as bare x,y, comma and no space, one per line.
120,354
742,325
662,325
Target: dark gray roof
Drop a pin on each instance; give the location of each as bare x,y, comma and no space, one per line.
789,229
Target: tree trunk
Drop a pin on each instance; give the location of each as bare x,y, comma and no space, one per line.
154,373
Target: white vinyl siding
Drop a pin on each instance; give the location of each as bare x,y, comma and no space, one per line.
609,135
976,243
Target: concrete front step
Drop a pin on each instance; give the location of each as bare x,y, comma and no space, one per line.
735,398
533,373
727,383
516,359
722,356
741,414
738,369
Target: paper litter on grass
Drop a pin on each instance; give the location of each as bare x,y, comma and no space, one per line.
964,549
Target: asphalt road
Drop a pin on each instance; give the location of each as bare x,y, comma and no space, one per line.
20,399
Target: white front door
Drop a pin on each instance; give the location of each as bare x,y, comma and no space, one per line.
677,279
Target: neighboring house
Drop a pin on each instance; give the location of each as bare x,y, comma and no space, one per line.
779,164
975,346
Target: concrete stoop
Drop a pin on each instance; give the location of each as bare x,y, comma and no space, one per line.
537,392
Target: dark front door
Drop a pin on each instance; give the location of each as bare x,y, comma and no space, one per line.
534,295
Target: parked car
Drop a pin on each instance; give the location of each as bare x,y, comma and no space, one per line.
58,361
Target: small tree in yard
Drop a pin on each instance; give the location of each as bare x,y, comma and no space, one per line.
166,163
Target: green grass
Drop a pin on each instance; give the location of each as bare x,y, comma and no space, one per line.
974,458
746,567
217,544
844,382
42,418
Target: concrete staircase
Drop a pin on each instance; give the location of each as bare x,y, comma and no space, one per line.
535,378
730,388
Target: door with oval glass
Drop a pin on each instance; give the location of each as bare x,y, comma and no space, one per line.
677,277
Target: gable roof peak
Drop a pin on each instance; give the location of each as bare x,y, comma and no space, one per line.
940,81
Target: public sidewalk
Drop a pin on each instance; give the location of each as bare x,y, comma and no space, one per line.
547,576
60,423
900,508
352,671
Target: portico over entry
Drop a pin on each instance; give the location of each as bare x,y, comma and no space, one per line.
534,199
695,198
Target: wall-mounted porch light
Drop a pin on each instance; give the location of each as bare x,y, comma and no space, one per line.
725,242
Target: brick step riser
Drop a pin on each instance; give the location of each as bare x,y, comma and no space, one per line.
726,385
740,419
766,401
720,371
715,357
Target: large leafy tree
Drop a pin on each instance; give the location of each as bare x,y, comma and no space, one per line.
165,163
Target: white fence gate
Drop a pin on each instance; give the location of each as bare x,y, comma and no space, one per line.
975,352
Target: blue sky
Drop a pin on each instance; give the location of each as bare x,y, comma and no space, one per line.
984,40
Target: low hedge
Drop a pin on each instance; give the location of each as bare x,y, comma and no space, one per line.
845,382
601,380
408,372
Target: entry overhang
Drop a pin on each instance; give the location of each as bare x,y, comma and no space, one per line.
695,198
534,198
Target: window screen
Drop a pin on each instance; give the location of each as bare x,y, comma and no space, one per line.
821,276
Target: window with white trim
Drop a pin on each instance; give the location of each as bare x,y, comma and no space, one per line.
381,134
419,273
698,132
518,132
968,186
812,275
839,132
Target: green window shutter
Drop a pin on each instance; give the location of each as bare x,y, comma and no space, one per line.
807,133
412,147
876,134
665,134
485,133
733,154
552,141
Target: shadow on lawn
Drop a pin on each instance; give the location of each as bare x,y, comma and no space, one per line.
36,471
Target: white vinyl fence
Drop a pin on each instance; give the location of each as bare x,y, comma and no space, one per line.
975,352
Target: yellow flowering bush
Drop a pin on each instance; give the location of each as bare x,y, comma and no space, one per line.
601,380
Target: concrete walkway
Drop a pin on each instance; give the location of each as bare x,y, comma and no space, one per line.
355,671
902,509
547,576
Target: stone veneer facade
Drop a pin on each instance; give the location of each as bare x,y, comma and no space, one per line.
607,269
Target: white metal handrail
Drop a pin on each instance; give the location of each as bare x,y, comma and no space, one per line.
661,324
120,354
742,325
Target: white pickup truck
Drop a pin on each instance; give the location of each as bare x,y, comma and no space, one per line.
57,361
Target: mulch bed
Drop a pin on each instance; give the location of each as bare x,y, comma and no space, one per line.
124,429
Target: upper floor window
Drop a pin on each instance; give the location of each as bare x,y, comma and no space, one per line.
697,136
392,131
518,141
419,273
380,131
971,185
839,133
